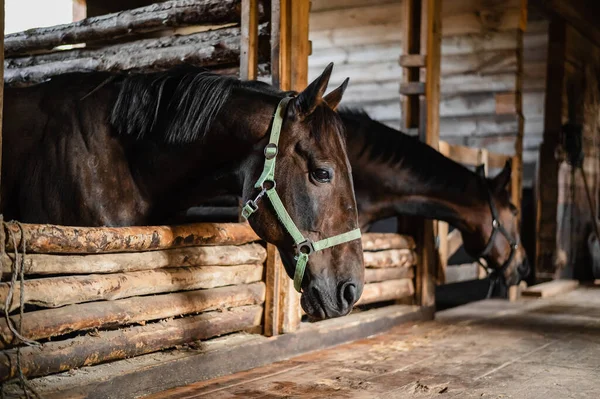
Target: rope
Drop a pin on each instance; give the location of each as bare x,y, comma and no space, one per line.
17,272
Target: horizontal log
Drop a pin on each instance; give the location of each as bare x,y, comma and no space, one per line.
147,55
59,291
155,17
381,241
226,255
54,357
390,273
47,238
55,322
390,258
386,291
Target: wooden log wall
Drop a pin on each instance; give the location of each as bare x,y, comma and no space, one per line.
479,68
389,275
127,291
151,38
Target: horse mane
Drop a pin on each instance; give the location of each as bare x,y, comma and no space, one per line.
176,106
388,146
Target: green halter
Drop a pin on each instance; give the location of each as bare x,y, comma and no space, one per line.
304,246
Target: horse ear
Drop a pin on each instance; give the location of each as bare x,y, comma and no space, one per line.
501,180
306,102
334,98
480,170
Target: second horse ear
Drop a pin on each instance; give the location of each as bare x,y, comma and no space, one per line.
334,98
306,102
502,179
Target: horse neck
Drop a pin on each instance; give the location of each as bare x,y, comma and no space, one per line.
183,176
418,181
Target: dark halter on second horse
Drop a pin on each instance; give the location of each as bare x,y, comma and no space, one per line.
497,275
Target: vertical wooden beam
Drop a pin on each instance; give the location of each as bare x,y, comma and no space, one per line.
249,40
547,179
429,256
289,41
1,82
411,45
275,42
300,44
285,55
275,272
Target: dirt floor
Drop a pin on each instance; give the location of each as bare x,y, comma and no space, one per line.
536,348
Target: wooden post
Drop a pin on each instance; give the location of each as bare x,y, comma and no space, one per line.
432,138
422,35
249,40
1,82
289,41
547,178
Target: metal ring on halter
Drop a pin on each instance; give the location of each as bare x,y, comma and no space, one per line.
268,185
271,154
308,245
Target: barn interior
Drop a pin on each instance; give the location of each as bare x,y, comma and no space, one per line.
202,307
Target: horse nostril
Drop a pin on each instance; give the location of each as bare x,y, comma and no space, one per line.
347,295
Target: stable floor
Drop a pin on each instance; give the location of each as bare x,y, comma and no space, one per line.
534,348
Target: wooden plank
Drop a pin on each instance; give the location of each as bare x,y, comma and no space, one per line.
1,80
382,241
300,46
249,40
325,5
390,273
285,46
226,255
546,210
442,234
506,103
59,291
386,291
411,44
471,23
53,357
55,322
551,288
390,258
412,88
272,299
46,238
454,242
464,272
275,43
127,23
428,256
160,371
412,60
477,6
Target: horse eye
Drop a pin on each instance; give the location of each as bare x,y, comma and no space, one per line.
321,175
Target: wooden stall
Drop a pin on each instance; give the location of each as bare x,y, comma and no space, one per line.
449,242
104,311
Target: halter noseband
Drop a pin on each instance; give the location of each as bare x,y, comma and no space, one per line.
514,245
266,183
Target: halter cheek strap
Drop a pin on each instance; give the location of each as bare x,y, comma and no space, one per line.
514,245
266,183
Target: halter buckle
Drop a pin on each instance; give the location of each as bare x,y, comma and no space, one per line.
271,151
305,247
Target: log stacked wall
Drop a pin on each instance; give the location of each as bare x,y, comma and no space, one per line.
126,303
479,68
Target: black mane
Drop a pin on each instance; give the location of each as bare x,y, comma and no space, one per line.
177,106
388,146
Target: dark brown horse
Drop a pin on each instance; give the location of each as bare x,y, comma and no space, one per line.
115,150
395,174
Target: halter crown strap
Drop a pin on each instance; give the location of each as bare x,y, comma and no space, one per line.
304,246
